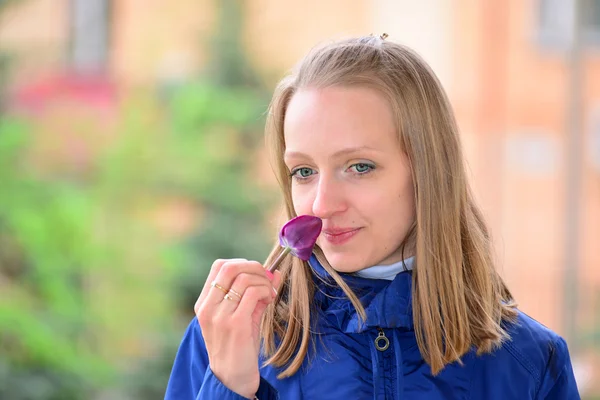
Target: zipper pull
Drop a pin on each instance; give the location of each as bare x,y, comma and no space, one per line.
381,338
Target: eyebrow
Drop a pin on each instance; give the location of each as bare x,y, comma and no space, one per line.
342,152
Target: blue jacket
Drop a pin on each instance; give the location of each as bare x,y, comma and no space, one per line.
533,364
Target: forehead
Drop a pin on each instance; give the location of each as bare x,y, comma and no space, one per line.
339,116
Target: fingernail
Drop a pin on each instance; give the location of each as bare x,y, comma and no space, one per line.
270,275
275,292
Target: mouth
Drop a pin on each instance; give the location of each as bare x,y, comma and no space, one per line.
339,236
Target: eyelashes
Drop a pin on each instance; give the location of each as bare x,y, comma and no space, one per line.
302,173
363,168
358,169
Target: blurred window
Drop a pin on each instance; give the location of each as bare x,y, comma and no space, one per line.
89,35
591,21
555,19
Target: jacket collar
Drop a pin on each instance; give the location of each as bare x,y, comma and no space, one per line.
388,304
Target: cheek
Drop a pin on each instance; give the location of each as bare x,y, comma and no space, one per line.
393,208
301,200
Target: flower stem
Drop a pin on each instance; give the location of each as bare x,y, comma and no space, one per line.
279,259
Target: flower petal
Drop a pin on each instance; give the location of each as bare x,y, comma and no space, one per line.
300,235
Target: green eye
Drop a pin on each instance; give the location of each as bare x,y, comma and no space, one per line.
302,173
305,172
362,168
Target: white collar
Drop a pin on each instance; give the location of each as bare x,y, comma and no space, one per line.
388,272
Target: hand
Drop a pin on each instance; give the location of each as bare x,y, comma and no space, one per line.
231,324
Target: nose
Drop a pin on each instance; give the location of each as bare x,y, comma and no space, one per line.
329,198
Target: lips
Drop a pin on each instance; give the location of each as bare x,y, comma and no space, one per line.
338,231
338,236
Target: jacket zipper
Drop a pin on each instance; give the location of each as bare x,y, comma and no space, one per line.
381,341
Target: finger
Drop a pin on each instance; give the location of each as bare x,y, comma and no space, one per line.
276,282
214,271
238,289
227,275
253,295
245,280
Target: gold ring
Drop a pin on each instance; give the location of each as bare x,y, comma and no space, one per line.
221,288
228,297
236,293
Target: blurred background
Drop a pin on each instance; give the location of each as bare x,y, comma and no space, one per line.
131,157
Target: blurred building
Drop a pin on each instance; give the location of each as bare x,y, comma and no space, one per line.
520,94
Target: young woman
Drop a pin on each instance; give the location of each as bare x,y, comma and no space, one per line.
401,298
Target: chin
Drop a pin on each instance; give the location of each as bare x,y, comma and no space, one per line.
346,263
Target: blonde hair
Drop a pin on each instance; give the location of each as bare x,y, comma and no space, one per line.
459,299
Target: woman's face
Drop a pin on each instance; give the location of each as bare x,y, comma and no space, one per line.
348,168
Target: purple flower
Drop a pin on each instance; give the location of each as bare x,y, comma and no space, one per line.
300,235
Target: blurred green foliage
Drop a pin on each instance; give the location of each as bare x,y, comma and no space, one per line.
44,258
212,161
101,260
91,290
